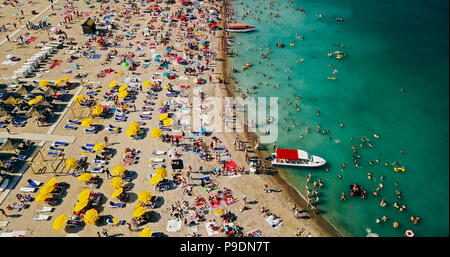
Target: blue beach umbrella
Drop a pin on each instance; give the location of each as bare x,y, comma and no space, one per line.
157,60
196,64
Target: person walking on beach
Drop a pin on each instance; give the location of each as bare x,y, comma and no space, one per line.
7,37
98,234
108,174
106,140
7,130
105,232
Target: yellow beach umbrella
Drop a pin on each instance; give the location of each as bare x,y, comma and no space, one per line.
59,222
131,132
118,171
156,132
147,83
32,102
163,116
41,197
161,172
116,183
79,98
91,216
84,195
139,212
87,122
145,196
155,179
135,125
219,211
123,94
123,87
168,122
146,232
112,84
44,83
71,163
97,110
46,189
58,81
80,206
65,79
98,147
38,98
139,204
51,182
116,193
85,177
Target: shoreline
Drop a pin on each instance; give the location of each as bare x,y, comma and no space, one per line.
323,225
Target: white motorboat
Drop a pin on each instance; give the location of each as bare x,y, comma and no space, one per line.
296,158
239,27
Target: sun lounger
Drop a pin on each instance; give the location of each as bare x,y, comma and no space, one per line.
155,152
111,222
4,185
114,131
116,205
120,119
27,189
74,122
90,150
145,117
59,143
34,183
19,157
70,127
38,216
157,160
89,145
55,148
46,209
97,170
100,162
90,131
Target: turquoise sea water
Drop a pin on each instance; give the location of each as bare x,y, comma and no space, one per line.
390,46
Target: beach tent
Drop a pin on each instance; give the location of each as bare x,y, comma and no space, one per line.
231,165
88,26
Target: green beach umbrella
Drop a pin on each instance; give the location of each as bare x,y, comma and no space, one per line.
125,64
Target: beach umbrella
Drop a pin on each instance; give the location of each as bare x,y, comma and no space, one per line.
118,170
98,147
131,132
51,182
135,125
15,14
116,183
162,172
178,59
123,87
91,216
162,110
155,179
145,196
147,83
166,74
146,232
79,98
138,204
116,193
41,197
196,64
65,79
57,82
80,206
97,110
46,189
44,83
125,64
168,122
139,212
71,163
168,50
32,102
113,84
123,94
219,211
163,116
87,122
157,60
156,56
84,195
156,132
59,222
85,177
54,29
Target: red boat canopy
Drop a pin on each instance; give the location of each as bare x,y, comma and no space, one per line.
287,154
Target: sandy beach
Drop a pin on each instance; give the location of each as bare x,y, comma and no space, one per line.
135,47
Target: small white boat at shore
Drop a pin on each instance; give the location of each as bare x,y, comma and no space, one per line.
296,158
239,27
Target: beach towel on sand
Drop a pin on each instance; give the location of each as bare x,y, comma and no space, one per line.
273,221
210,231
173,226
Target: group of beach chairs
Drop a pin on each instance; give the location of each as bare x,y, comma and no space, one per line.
56,148
73,125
